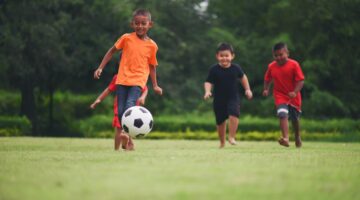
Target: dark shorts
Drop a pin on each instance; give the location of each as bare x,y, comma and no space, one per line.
284,110
222,110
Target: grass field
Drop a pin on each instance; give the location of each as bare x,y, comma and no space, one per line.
50,168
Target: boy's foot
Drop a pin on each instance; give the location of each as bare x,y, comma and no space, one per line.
130,147
232,141
284,142
222,145
298,142
124,141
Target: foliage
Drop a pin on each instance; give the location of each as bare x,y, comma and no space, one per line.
250,128
14,126
55,45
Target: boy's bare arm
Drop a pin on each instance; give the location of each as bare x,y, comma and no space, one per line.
245,83
104,61
156,88
207,88
100,98
266,88
142,98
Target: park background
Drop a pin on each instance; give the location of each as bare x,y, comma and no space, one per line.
50,49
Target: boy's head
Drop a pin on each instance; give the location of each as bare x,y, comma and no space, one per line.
280,53
225,54
141,22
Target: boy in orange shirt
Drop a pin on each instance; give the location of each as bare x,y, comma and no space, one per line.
120,137
138,61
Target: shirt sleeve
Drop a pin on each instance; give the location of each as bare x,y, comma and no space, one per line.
144,89
240,72
299,75
119,44
268,76
211,76
152,60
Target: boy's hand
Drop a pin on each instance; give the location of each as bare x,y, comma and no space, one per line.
93,105
207,95
248,94
141,100
97,73
292,95
265,93
158,90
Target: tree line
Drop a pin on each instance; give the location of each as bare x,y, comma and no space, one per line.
55,45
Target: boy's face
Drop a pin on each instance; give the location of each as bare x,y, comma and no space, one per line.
225,57
141,24
281,56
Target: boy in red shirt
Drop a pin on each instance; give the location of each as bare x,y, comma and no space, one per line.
138,61
120,137
288,79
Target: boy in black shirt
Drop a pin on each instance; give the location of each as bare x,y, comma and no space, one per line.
224,77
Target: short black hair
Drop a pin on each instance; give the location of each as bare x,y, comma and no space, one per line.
224,46
280,45
142,12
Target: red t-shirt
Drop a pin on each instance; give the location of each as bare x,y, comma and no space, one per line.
285,78
112,88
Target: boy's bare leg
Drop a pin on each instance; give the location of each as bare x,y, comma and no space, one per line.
130,145
296,126
221,129
284,126
117,138
233,125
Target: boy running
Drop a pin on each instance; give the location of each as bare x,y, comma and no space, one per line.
288,79
225,77
138,61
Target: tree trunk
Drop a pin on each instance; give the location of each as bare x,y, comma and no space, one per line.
28,105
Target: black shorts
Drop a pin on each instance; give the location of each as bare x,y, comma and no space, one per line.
222,110
288,111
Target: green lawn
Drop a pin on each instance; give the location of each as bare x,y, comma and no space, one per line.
49,168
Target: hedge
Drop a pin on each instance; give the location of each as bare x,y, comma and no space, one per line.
14,126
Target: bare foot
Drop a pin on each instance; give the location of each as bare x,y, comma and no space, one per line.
124,141
222,145
284,142
232,141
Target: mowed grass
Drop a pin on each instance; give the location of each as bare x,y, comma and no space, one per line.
54,168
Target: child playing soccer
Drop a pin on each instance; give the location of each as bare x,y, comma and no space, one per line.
288,79
120,137
138,61
224,78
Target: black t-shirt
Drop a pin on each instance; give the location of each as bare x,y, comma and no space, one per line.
225,82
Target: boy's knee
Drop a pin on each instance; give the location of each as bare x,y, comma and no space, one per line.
282,112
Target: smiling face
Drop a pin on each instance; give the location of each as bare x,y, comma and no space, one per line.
224,58
141,25
281,56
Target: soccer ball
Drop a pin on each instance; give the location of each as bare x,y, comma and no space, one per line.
137,121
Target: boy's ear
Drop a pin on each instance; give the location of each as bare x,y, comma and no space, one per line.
233,55
151,23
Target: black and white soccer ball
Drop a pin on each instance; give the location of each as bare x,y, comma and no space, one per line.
137,121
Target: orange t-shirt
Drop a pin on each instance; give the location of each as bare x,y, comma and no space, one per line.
136,57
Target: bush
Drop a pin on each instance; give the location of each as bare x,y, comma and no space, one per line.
324,105
10,103
14,126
